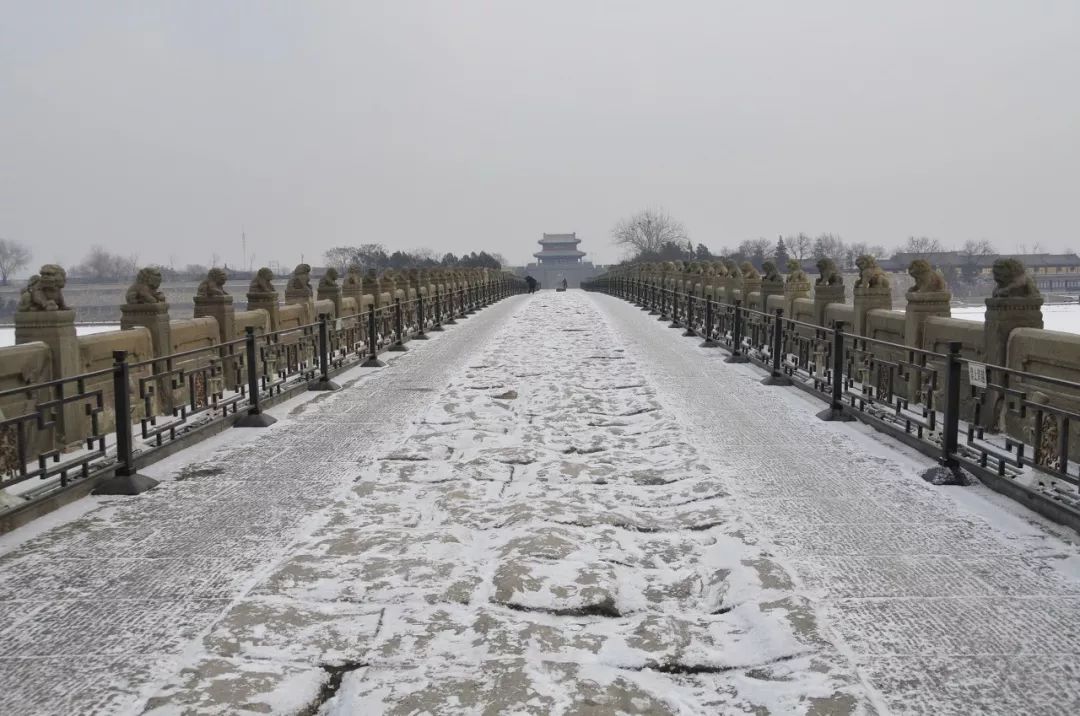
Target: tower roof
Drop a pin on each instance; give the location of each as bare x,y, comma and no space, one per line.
560,239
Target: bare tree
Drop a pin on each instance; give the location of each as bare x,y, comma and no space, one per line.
648,231
756,250
922,245
100,265
980,247
13,256
799,246
828,246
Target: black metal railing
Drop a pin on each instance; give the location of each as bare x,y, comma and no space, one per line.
1007,425
72,428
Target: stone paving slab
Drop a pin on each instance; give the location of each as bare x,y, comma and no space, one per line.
100,612
947,600
584,515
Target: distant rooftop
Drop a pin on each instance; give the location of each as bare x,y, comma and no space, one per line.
944,259
560,239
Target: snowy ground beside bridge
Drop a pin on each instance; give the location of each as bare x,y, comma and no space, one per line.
560,506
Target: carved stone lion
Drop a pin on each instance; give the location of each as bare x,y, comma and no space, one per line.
720,269
732,268
1011,280
870,274
771,275
300,281
329,279
263,282
795,272
830,276
354,276
748,271
44,291
213,285
927,279
147,287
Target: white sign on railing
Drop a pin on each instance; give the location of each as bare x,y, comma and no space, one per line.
977,374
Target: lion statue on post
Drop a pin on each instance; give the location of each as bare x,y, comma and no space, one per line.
732,269
300,282
1012,281
771,274
829,275
147,287
870,274
354,276
263,282
748,271
927,278
795,272
329,279
213,285
45,290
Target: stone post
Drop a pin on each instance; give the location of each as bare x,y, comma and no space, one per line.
146,307
1016,303
43,316
211,300
330,291
866,299
353,287
921,306
771,286
823,296
796,286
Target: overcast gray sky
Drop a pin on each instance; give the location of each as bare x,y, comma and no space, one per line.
160,129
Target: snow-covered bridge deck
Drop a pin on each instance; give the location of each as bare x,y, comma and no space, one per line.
558,507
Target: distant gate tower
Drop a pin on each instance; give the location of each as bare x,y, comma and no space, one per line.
560,258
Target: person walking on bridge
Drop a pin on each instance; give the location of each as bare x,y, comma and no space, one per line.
532,283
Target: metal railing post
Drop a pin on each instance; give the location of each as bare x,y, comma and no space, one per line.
373,341
399,328
420,335
323,382
689,332
737,355
776,375
710,325
437,318
835,411
951,429
124,481
675,310
255,417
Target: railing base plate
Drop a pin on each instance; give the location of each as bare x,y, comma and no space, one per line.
830,415
323,385
372,363
420,337
945,475
709,343
436,329
125,485
689,333
776,380
259,420
397,348
737,359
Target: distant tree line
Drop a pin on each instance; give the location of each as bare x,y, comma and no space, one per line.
368,256
653,235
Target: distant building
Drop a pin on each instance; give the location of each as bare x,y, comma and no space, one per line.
559,258
1051,272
